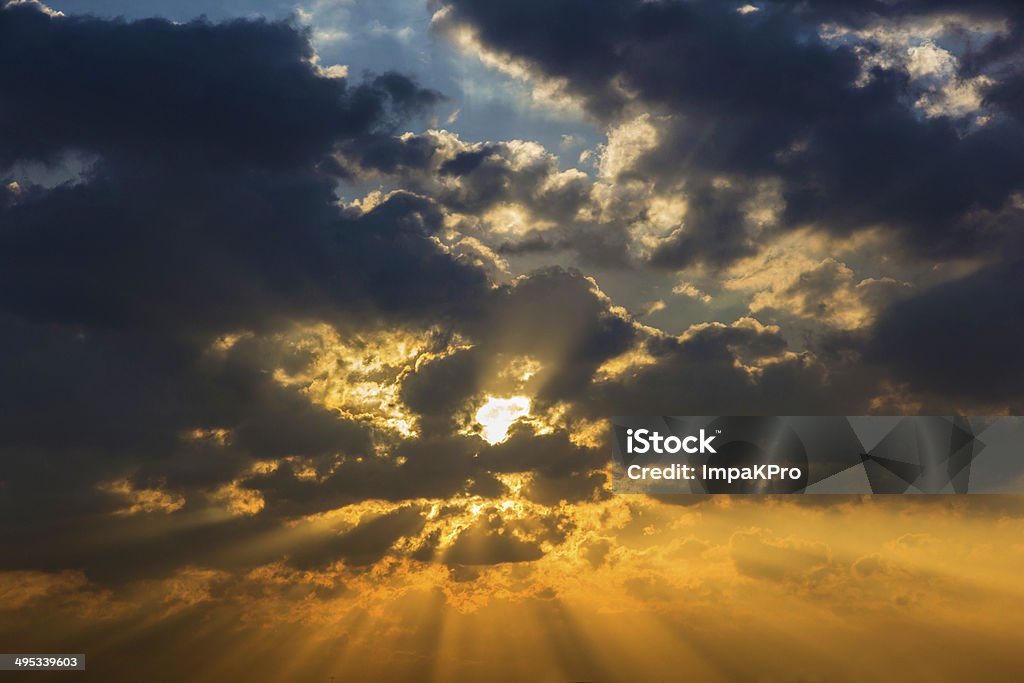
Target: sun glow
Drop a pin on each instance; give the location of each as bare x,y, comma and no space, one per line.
496,416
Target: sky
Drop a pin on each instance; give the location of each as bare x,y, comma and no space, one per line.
314,316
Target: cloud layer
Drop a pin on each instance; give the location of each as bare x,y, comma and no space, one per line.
282,348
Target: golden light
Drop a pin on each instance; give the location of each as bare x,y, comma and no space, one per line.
496,416
360,375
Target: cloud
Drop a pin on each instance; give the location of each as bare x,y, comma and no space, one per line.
870,126
961,338
229,379
365,544
150,299
759,555
479,545
243,408
805,277
688,289
512,196
741,98
22,588
226,86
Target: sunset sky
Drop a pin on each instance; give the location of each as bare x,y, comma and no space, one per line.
313,315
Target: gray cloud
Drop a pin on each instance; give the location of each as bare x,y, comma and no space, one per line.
149,299
762,95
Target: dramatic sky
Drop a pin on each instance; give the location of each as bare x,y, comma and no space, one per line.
312,316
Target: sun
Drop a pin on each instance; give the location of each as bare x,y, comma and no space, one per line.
496,415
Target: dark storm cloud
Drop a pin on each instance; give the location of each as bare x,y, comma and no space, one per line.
474,178
555,316
715,231
80,412
459,374
363,545
241,93
1004,56
761,95
205,251
206,210
962,338
856,12
429,467
1009,95
558,317
734,369
561,470
492,539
